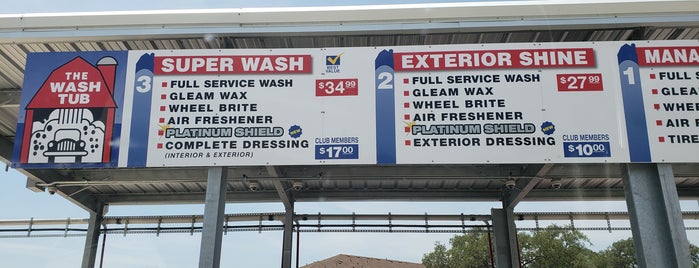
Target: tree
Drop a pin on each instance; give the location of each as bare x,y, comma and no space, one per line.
555,247
550,247
623,254
466,251
439,258
470,251
620,254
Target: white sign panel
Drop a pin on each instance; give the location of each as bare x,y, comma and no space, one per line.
661,79
587,102
242,107
506,103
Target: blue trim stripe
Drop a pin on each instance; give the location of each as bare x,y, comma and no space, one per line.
385,108
634,109
140,114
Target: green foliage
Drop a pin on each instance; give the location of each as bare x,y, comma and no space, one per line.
466,251
623,255
439,258
620,254
553,246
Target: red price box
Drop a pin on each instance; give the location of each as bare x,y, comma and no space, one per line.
579,82
337,87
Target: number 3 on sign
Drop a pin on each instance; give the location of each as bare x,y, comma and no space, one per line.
145,83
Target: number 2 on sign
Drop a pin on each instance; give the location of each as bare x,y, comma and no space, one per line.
386,80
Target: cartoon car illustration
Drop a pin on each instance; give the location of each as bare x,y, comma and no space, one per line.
64,144
70,119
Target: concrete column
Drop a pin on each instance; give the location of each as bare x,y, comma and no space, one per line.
214,209
92,237
288,236
505,232
659,236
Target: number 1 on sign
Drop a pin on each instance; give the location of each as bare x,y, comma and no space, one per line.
629,75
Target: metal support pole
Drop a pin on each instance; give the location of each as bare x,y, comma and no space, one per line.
506,253
659,236
298,243
288,236
92,237
490,247
214,209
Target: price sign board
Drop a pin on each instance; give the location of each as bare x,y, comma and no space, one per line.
502,104
601,102
337,87
660,83
587,149
250,108
580,82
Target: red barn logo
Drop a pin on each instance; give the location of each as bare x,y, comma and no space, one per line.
70,119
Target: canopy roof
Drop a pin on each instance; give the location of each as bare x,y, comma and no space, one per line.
351,26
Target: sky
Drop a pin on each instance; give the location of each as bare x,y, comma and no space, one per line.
240,249
42,6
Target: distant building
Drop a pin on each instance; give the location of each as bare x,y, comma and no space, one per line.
349,261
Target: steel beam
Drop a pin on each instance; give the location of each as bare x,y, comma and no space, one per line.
282,190
284,194
6,147
505,232
76,195
523,186
280,216
659,235
288,237
214,213
287,198
10,97
605,194
92,237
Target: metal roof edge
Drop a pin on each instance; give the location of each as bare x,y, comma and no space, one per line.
342,18
199,31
